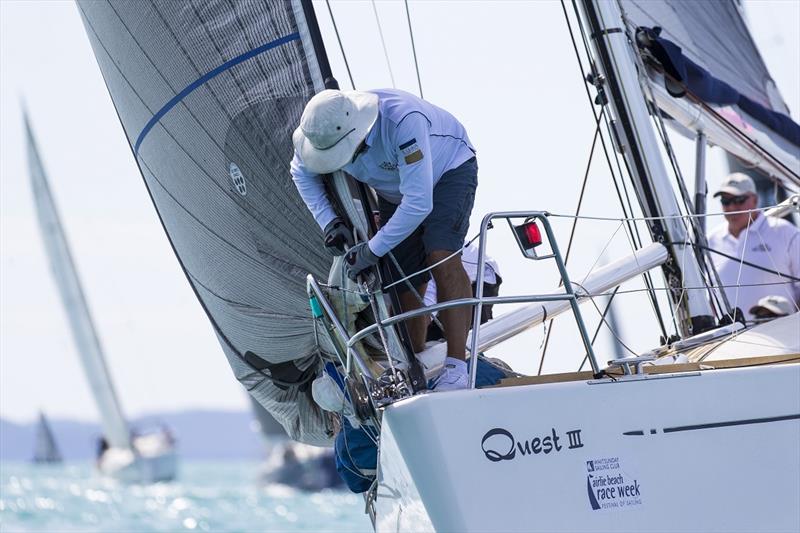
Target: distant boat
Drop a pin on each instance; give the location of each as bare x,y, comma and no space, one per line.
292,463
46,450
140,458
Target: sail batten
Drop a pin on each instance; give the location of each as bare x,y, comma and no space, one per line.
208,93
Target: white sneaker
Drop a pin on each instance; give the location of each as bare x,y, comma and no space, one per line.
454,376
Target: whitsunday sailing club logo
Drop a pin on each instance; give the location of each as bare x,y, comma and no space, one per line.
611,487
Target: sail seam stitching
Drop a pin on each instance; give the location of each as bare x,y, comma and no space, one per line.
203,79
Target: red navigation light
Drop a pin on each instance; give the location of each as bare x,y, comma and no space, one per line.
529,235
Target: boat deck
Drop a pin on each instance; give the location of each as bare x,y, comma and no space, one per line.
655,369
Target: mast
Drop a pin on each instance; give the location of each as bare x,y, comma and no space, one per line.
62,266
639,147
314,45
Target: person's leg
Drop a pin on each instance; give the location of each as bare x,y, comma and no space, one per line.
445,230
417,327
410,254
452,283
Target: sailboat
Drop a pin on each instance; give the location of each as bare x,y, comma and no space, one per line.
292,463
708,428
144,458
46,449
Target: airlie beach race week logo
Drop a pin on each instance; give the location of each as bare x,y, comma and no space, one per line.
609,487
499,444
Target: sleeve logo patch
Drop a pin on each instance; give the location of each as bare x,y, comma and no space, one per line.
411,151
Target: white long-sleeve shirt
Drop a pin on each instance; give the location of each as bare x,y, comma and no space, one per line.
769,242
411,145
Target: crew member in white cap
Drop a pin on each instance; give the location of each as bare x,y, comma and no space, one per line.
770,307
748,235
422,165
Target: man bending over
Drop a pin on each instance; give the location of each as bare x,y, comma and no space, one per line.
419,160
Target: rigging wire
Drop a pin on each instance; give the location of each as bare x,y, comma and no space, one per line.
739,273
706,267
413,48
603,319
633,229
383,43
699,288
413,290
595,218
600,325
748,263
431,267
666,217
549,327
341,47
647,276
747,140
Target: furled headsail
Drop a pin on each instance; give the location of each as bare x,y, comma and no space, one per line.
209,92
706,50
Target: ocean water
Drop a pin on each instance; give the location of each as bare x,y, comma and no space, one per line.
222,496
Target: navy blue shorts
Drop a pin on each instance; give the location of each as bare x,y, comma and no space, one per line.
444,229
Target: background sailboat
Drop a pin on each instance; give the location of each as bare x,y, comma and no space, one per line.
45,447
141,458
292,463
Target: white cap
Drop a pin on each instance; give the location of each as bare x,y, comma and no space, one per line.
332,127
776,305
737,184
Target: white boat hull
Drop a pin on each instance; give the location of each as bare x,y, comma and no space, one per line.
154,460
693,451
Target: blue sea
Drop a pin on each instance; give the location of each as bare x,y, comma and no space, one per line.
218,496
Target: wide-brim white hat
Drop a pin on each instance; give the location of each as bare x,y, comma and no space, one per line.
332,127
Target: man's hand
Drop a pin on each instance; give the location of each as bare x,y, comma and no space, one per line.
337,236
359,258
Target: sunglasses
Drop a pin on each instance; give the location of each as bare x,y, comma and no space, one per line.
733,200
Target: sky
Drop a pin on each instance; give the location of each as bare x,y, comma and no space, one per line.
505,68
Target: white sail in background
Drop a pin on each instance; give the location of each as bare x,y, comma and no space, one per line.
62,266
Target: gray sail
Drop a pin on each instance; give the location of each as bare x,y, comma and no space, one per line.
87,343
267,425
707,48
713,34
46,449
209,92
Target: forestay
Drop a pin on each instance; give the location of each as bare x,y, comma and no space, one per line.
208,93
